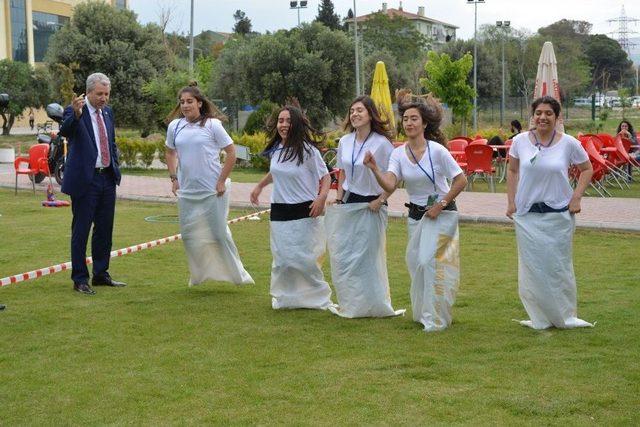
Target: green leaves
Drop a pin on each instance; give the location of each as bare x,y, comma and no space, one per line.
447,80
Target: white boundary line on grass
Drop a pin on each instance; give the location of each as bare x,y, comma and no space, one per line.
120,252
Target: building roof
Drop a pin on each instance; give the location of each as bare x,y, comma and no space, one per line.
392,13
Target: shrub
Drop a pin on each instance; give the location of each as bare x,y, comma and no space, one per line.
128,151
147,150
256,144
256,122
161,147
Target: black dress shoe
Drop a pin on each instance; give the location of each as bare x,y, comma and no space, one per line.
106,281
83,288
2,307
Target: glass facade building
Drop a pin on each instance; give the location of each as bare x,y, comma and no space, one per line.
18,13
44,25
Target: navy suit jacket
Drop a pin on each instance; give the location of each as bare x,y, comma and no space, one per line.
82,152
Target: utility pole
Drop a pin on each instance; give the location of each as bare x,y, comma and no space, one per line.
475,63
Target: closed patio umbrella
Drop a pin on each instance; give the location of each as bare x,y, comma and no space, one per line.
381,94
547,79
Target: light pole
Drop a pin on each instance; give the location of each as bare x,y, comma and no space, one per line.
475,62
504,25
191,42
298,5
355,36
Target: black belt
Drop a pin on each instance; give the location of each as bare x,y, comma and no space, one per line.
417,212
541,207
290,211
101,171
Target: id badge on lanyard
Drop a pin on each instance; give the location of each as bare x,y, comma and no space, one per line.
433,198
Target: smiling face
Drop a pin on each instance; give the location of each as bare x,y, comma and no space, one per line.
624,127
412,123
99,96
190,106
359,115
284,124
544,118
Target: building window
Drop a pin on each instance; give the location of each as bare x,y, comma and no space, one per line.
18,12
121,4
44,25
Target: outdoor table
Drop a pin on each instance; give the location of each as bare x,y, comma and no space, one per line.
501,165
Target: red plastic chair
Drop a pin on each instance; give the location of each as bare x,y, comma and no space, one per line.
37,162
479,141
458,146
464,138
479,162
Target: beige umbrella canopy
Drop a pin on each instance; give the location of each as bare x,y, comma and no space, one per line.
547,79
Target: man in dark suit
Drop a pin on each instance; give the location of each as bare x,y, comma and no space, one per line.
91,174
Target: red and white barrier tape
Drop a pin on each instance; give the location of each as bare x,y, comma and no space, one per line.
131,249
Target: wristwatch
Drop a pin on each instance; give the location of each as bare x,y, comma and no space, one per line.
443,203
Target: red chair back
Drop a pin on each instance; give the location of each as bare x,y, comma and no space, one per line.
479,158
457,144
465,138
479,141
38,152
607,140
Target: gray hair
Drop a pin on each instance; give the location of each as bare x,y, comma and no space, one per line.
96,78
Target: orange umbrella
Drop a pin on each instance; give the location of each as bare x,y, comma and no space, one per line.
547,79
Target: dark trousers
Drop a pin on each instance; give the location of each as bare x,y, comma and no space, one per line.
95,207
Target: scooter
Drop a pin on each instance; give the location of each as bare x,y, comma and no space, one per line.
57,145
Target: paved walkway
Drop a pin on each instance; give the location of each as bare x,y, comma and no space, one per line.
601,213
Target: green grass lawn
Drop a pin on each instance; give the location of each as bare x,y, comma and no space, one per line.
158,352
237,175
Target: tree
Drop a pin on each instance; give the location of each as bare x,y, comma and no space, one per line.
396,35
568,38
243,24
313,64
26,87
103,38
327,16
608,61
447,80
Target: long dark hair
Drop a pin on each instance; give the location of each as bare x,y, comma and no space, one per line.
207,111
431,112
377,124
631,131
300,138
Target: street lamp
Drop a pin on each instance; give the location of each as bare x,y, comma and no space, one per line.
504,25
355,37
475,62
191,42
298,5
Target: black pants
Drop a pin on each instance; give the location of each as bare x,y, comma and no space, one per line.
541,207
357,198
96,206
417,212
290,211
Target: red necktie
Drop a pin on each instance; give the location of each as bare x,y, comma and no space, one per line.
104,141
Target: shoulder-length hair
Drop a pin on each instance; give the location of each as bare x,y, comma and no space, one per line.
431,112
629,125
300,138
207,111
378,125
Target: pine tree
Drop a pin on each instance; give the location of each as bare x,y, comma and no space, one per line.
327,16
243,24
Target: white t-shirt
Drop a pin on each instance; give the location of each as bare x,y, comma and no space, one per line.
546,179
358,178
418,185
198,155
293,183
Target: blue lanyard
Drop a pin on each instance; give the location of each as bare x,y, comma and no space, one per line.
431,177
177,131
269,153
353,160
